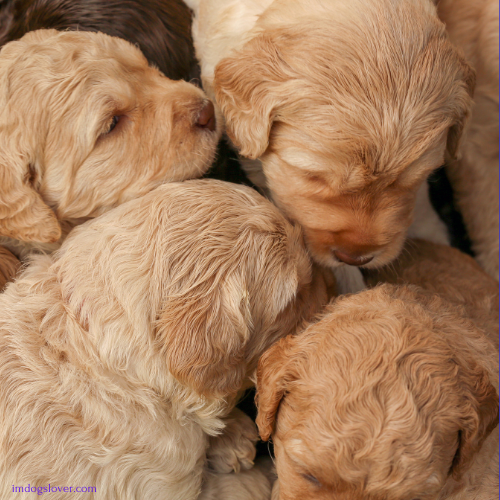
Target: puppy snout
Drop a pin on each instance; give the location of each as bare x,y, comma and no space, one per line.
352,259
206,118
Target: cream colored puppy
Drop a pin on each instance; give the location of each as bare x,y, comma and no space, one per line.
473,26
393,394
85,125
348,105
122,354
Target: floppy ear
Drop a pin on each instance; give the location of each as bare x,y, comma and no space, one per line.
479,417
23,213
203,334
456,131
274,373
247,89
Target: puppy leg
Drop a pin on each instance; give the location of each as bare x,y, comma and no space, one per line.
234,449
253,484
475,183
426,223
275,495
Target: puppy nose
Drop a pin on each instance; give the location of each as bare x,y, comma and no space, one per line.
206,118
352,260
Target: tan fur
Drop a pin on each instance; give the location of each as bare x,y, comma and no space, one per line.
473,26
122,353
9,265
348,104
393,394
59,92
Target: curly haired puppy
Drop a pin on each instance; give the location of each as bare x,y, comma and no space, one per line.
160,28
394,393
122,353
473,26
85,125
349,105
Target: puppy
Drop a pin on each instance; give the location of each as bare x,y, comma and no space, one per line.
473,26
394,393
348,105
85,125
161,29
122,353
9,265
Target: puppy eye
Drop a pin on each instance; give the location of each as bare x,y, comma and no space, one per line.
312,479
113,124
315,178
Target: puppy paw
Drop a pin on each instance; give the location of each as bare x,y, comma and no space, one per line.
234,449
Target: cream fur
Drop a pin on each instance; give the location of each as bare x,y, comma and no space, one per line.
122,354
347,105
60,162
473,26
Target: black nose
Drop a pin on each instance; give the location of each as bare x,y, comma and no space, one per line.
206,118
352,260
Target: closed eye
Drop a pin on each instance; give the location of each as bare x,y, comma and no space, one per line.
313,480
111,126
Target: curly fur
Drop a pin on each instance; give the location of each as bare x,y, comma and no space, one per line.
394,392
348,106
123,352
59,161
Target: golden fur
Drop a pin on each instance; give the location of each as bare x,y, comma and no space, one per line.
60,159
348,104
9,265
123,352
393,394
473,26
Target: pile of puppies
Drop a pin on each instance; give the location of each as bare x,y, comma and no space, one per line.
127,340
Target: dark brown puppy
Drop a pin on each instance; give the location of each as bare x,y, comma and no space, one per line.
160,28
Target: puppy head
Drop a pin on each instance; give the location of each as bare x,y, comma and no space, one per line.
349,111
85,125
379,400
238,279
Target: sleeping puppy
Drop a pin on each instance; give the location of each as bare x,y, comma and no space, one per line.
349,105
9,265
160,28
473,26
85,125
123,352
393,394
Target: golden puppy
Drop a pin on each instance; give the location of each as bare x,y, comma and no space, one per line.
85,125
9,265
122,353
349,105
394,393
473,26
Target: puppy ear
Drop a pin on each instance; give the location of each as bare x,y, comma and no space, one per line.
479,417
203,334
246,86
274,373
456,131
23,214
